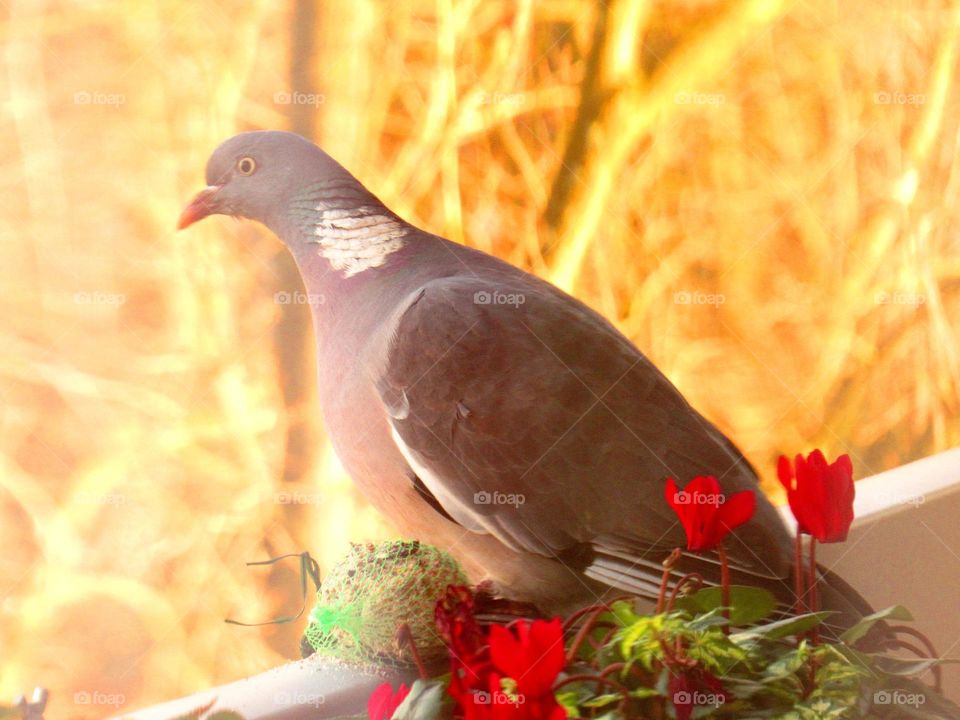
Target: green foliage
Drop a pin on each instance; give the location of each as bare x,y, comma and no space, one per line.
896,612
768,669
747,604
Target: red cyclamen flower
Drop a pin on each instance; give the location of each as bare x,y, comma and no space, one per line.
529,652
383,702
707,515
496,704
529,655
820,494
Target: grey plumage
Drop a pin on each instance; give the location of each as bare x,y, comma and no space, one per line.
481,408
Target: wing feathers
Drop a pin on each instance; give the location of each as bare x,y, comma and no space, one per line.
538,423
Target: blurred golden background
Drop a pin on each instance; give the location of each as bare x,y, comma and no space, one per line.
761,194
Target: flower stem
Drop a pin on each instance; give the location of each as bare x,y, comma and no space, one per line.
812,583
798,574
667,567
724,585
405,637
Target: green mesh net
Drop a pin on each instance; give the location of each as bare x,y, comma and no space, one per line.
371,593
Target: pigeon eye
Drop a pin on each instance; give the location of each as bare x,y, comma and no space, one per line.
246,166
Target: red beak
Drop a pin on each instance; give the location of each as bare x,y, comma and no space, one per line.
201,206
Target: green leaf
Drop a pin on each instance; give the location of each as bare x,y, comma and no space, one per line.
640,642
570,701
788,663
704,621
904,667
822,708
742,688
783,628
747,604
896,612
424,702
621,613
715,650
601,700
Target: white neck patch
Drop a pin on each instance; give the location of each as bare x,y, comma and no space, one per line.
357,239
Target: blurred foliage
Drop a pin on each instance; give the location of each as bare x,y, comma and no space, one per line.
759,193
768,669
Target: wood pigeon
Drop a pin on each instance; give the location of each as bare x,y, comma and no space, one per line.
484,410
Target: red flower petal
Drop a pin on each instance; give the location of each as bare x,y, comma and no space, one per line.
785,472
820,494
737,510
383,702
707,515
533,657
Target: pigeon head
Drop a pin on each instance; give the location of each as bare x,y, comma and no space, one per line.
303,195
260,176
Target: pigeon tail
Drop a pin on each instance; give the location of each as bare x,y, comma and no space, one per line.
642,576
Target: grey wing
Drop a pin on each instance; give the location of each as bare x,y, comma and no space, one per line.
529,417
